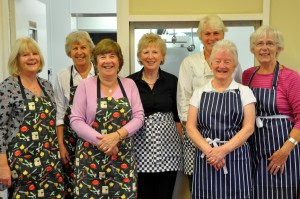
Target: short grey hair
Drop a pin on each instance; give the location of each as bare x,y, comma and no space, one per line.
213,21
225,46
76,37
267,31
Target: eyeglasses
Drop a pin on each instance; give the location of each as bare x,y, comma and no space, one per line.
269,44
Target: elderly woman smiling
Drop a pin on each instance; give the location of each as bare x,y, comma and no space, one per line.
274,143
220,120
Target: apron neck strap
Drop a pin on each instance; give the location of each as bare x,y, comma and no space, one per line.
99,88
23,90
275,76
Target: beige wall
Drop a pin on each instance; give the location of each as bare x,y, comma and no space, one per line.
190,7
285,17
4,39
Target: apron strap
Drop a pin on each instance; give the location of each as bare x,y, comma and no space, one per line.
275,77
215,144
71,77
23,90
260,124
99,88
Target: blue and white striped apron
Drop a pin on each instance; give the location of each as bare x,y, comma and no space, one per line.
271,131
220,117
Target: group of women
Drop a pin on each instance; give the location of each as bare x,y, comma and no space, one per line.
121,137
244,137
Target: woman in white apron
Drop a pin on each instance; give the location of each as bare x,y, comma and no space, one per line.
220,120
276,155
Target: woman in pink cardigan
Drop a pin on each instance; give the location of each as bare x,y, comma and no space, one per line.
107,111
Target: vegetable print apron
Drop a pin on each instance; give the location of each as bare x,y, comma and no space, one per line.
70,139
33,154
219,119
271,131
101,176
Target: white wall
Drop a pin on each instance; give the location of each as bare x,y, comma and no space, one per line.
23,14
61,23
93,6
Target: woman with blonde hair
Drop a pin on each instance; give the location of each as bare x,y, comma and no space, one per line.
157,143
29,155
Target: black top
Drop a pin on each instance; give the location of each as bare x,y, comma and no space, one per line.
162,98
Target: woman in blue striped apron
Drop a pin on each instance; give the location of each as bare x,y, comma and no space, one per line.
220,120
79,47
276,155
194,73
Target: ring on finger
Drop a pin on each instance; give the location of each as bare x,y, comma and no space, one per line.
278,166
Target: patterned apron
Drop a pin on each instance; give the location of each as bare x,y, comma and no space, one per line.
273,131
188,153
157,144
219,119
33,154
98,175
70,139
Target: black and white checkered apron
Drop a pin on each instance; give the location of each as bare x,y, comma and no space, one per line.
268,139
157,144
188,153
220,117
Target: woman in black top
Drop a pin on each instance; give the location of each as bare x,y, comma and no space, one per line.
157,144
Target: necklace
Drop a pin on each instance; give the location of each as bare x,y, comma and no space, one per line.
150,84
33,87
110,90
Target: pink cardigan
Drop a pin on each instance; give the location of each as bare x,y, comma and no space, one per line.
85,104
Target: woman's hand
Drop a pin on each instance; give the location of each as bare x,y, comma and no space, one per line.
108,143
114,151
5,175
216,157
277,161
64,154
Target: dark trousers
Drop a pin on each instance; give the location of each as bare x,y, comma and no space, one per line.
156,185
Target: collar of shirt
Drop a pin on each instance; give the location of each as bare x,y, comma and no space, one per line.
92,72
140,74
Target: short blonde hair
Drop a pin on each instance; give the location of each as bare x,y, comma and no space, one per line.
151,39
77,37
212,21
23,45
108,46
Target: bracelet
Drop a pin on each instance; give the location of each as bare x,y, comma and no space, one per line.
292,140
120,136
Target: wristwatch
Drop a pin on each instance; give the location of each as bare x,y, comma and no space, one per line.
292,140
